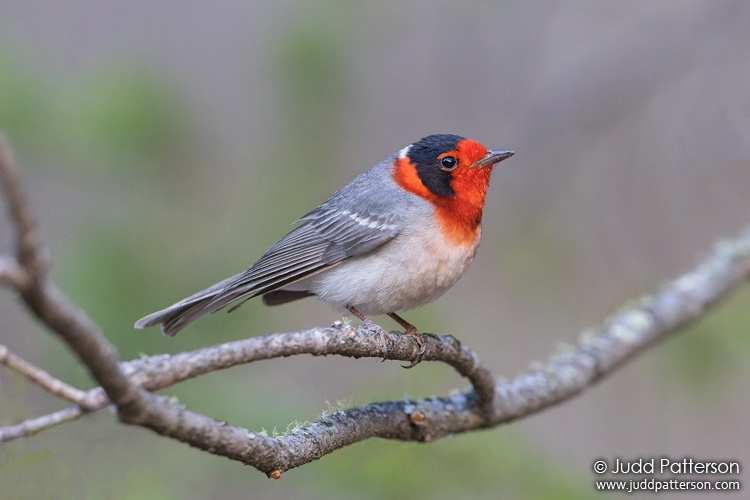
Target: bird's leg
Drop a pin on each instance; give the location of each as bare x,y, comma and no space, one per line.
411,331
371,325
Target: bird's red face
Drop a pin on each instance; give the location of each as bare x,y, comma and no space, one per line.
452,173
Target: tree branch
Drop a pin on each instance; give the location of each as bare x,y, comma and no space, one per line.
33,426
51,306
11,274
598,353
41,377
158,372
27,247
486,403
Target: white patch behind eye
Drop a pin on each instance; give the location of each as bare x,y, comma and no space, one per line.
404,152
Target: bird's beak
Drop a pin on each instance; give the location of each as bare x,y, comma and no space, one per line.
493,156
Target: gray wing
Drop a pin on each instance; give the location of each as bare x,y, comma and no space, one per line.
350,233
327,237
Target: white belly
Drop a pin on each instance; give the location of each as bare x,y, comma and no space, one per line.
409,271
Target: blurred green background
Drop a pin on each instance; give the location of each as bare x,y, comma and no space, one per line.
166,145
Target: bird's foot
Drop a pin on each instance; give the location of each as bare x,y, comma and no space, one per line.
372,326
412,332
382,335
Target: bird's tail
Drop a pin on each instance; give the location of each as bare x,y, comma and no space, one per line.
177,316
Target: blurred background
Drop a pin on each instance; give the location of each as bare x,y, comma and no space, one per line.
165,146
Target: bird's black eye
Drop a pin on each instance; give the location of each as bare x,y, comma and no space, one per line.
448,163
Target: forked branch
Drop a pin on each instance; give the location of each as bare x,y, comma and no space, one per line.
486,403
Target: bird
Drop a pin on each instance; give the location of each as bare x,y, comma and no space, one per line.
395,238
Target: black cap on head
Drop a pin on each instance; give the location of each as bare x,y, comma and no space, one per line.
424,155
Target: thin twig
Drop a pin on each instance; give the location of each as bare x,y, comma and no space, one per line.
38,424
40,377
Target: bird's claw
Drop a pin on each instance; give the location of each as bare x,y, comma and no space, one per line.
414,333
382,335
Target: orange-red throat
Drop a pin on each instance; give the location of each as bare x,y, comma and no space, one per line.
458,193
